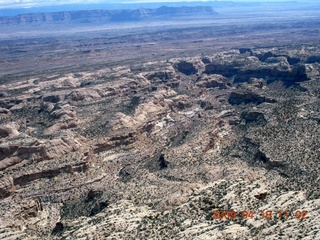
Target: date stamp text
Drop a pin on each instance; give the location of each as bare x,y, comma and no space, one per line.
263,214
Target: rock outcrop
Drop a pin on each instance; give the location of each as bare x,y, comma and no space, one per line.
16,151
6,187
9,130
154,149
247,97
186,68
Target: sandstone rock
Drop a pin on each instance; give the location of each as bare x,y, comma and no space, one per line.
186,68
113,142
69,83
60,146
14,152
9,103
161,76
212,81
26,178
66,116
60,112
312,71
181,102
30,208
52,98
257,82
245,50
281,60
4,113
19,106
123,121
83,95
151,110
248,97
226,69
263,56
62,124
206,105
254,118
6,187
272,68
161,168
9,130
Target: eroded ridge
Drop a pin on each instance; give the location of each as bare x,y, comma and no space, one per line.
151,149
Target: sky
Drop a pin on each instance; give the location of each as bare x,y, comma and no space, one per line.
35,3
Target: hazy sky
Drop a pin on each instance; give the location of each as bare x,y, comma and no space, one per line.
30,3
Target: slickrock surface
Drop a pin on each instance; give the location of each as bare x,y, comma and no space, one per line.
149,151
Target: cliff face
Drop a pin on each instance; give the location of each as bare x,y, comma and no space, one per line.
101,16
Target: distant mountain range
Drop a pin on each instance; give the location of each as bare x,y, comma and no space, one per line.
103,16
5,12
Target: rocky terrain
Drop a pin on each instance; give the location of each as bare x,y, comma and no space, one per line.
149,150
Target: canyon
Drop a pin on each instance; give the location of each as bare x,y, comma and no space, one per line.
144,132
